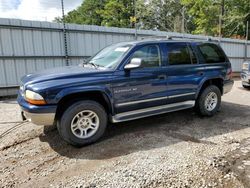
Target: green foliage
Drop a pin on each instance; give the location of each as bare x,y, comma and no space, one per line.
117,13
236,15
206,15
87,13
192,16
159,14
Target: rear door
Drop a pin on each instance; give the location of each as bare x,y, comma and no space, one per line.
184,73
216,62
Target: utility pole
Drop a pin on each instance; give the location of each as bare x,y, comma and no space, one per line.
65,35
183,20
247,25
135,19
222,12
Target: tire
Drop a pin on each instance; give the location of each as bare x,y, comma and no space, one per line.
82,123
209,101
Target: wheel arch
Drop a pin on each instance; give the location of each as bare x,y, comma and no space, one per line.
211,81
72,96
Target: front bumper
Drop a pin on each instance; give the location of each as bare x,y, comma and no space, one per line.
245,78
227,86
39,115
39,119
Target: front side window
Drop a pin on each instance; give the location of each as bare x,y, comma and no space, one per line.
150,56
178,54
211,53
110,56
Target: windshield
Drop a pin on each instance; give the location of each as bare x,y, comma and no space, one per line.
110,56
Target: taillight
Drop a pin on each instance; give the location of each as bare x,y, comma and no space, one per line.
229,74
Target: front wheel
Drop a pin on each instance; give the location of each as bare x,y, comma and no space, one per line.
83,123
209,101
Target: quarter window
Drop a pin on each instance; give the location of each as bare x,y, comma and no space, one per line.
212,53
150,56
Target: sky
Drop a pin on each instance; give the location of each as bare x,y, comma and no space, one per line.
42,10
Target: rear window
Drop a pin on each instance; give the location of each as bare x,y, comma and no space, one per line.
212,53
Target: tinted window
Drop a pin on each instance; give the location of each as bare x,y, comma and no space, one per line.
178,54
212,53
150,56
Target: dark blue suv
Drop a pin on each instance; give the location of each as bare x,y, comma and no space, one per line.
126,81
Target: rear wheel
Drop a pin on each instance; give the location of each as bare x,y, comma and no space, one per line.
208,103
83,123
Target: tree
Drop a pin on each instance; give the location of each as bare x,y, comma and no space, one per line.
87,13
209,17
237,13
165,15
117,13
206,15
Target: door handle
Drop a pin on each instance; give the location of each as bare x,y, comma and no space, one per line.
201,73
162,77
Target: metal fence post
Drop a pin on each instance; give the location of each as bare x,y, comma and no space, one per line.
65,35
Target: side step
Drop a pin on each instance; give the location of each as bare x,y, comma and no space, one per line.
136,114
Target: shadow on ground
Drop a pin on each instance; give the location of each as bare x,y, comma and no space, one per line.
155,132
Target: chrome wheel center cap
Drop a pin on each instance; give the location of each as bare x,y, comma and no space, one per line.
84,123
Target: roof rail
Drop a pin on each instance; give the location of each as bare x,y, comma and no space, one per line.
170,37
153,37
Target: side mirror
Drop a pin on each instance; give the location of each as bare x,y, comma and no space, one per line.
134,63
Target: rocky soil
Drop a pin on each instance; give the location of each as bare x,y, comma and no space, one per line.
178,149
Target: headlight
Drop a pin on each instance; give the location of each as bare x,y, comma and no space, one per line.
34,98
245,66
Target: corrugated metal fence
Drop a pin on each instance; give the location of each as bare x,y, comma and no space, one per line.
29,46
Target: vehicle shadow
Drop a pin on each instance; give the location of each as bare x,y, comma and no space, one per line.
155,132
244,89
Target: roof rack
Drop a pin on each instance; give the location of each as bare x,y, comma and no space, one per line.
171,37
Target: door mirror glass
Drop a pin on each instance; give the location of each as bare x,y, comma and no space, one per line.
134,63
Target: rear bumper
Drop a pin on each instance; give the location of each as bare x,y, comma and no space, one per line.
227,86
39,115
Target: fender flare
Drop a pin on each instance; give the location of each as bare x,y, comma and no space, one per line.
202,83
107,94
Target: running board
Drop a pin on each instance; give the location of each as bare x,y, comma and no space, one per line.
136,114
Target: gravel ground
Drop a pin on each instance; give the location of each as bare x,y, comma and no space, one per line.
178,149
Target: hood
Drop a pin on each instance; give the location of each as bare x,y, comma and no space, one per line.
59,73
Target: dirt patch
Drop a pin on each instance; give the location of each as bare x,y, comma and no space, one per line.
237,162
178,149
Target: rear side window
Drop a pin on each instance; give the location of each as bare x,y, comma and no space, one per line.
180,54
212,53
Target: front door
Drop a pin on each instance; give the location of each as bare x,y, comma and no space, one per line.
143,87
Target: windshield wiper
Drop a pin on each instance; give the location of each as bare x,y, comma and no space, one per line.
89,63
93,64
